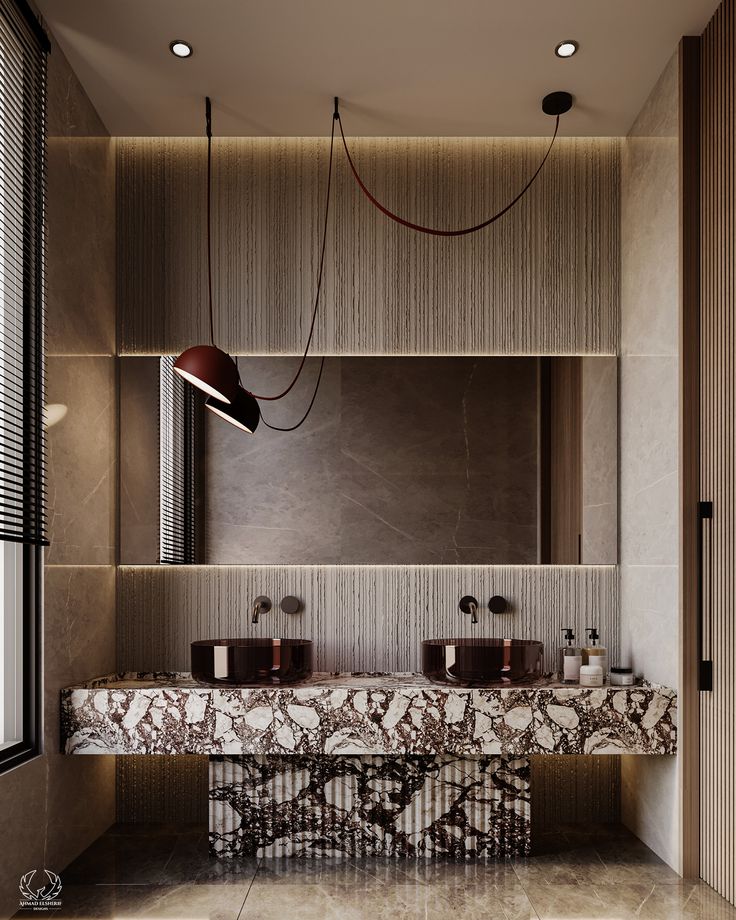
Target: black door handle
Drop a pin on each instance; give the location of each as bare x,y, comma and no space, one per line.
705,665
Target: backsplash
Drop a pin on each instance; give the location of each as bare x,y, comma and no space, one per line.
361,618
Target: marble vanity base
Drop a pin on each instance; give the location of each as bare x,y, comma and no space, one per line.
369,805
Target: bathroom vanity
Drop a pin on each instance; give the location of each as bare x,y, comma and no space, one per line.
366,764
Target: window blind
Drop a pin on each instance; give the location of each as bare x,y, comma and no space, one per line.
177,450
23,49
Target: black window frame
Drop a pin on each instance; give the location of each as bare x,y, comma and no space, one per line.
30,745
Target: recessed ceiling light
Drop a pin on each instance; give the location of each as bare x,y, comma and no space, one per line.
180,48
566,49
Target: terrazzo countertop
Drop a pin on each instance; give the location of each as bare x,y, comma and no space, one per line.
170,713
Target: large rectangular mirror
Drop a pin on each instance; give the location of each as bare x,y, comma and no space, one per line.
404,460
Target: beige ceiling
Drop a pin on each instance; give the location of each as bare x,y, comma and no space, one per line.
401,67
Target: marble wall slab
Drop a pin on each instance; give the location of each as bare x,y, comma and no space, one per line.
83,462
649,419
432,806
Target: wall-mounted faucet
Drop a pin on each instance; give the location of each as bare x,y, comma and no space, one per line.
469,604
261,604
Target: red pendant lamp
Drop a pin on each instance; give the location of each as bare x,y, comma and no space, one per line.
208,367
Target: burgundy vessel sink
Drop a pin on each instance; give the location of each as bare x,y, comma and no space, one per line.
252,661
481,662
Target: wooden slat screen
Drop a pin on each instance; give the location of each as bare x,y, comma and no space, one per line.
718,448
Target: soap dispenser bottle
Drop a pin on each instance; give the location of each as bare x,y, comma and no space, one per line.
571,657
595,654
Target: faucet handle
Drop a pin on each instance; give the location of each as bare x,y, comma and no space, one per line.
291,604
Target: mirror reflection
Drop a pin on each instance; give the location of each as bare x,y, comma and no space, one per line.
404,460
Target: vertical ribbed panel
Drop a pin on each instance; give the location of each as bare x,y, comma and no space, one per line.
582,789
360,618
544,279
718,447
161,790
425,806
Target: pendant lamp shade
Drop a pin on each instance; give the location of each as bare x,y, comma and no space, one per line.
211,370
244,412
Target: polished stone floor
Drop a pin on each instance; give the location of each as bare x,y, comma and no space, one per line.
143,871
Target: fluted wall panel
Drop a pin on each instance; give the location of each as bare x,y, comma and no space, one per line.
161,790
361,618
570,790
718,446
544,279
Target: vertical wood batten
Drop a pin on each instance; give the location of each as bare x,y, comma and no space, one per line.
717,448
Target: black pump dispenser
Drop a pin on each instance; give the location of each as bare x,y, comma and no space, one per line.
593,634
570,659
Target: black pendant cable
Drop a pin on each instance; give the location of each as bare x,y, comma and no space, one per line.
554,104
214,371
309,407
208,366
318,290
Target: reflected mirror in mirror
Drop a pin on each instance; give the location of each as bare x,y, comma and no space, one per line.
404,460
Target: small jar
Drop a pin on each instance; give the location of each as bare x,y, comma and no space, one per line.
622,677
591,675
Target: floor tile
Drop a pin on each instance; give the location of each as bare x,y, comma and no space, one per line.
123,860
190,861
565,868
144,872
571,902
330,872
266,901
463,874
176,902
184,902
384,902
